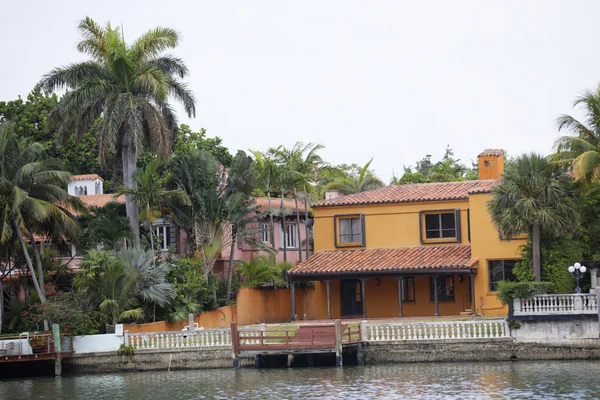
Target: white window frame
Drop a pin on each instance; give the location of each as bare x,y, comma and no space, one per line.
161,232
264,232
290,244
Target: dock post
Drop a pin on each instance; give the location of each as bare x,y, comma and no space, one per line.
235,345
56,339
338,343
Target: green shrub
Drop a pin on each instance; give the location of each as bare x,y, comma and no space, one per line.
508,291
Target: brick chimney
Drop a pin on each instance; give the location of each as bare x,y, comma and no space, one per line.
491,164
333,194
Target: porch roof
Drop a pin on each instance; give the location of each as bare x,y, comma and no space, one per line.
401,260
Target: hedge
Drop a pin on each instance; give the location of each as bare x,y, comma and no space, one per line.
508,291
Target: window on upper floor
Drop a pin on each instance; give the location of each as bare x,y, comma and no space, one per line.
500,270
291,237
164,236
440,226
263,235
349,230
445,288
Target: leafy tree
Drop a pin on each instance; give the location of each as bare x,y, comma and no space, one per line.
33,200
68,311
259,271
193,291
187,140
448,169
556,254
359,179
581,151
129,86
532,197
30,120
266,176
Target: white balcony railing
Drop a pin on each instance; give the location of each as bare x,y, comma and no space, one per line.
438,330
556,304
167,340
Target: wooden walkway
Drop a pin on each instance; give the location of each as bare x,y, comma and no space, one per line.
306,338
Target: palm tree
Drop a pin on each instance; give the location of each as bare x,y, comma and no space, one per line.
120,284
532,197
581,151
356,181
33,200
266,175
107,227
149,192
128,86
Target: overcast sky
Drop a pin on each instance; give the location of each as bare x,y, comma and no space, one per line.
391,79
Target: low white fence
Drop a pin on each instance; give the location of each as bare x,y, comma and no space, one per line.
179,339
556,304
438,330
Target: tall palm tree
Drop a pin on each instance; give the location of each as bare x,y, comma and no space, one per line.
266,175
581,151
129,87
532,196
149,192
301,163
33,200
356,181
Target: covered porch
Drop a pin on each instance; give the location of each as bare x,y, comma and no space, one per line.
386,283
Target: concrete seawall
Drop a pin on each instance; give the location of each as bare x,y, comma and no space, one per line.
152,360
374,354
474,351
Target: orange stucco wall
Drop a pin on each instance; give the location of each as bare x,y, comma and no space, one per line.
382,299
254,306
485,246
397,225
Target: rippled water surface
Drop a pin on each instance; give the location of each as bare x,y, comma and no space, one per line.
519,380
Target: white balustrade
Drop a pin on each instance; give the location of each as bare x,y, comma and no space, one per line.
556,304
165,340
439,330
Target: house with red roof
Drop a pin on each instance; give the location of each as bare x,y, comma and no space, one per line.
410,250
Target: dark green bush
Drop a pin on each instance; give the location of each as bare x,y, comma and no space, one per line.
508,291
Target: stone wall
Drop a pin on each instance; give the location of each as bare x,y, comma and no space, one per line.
152,360
477,351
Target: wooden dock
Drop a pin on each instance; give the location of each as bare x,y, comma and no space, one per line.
296,339
34,347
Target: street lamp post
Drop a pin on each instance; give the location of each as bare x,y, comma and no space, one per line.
577,270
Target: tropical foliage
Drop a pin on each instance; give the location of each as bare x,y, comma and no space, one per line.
533,197
129,86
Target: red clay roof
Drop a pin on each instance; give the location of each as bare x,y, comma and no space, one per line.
402,259
263,202
100,200
491,152
87,177
412,193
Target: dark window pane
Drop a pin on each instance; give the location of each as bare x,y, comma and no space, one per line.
432,221
445,286
448,221
448,233
432,234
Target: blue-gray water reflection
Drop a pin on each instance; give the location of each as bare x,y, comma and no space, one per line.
522,380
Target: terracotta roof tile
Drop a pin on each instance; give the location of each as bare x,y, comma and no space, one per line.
100,200
263,202
402,259
491,152
412,193
87,177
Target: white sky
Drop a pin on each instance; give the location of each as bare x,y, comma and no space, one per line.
390,79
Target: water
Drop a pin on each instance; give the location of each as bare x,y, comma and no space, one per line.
518,380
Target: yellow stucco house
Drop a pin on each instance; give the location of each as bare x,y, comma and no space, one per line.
410,250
